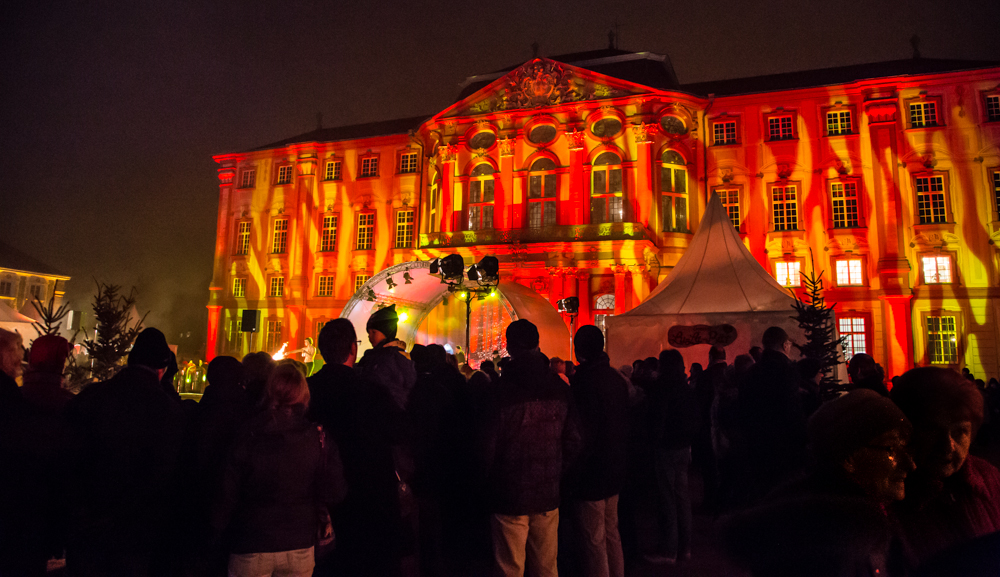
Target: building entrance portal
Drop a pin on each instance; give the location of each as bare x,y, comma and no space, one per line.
429,314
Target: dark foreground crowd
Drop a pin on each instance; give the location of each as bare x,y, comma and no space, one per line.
401,464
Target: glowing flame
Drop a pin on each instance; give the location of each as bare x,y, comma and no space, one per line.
281,352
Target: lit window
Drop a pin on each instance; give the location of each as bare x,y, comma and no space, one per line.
724,132
604,308
607,127
360,280
923,114
277,287
673,192
542,192
996,191
248,178
328,241
233,336
243,237
844,198
482,140
366,230
852,329
784,207
332,170
993,108
942,340
787,273
325,286
35,291
780,127
850,272
284,174
408,162
274,340
937,269
607,189
239,287
930,199
731,201
481,197
369,166
838,122
404,229
6,288
279,241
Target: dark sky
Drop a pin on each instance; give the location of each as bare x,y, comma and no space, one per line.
111,111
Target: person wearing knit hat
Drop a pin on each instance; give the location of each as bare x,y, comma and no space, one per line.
387,362
382,325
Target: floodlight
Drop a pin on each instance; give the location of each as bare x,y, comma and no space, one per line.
569,305
407,279
403,316
489,267
390,283
452,266
370,295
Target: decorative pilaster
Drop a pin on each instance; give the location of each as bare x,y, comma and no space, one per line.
583,293
574,210
639,286
448,154
642,192
621,289
555,284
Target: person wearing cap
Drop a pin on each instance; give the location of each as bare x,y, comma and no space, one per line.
601,396
835,520
387,363
953,496
124,439
530,437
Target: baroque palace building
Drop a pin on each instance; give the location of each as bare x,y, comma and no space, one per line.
586,175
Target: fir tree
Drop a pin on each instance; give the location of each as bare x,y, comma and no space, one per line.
51,317
816,321
113,336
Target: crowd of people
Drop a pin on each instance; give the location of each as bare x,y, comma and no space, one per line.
411,463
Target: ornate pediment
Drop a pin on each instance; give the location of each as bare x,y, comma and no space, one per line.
542,83
928,240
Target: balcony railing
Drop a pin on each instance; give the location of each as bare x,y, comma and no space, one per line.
565,233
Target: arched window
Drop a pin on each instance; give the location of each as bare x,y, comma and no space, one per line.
604,307
481,197
673,192
542,193
606,189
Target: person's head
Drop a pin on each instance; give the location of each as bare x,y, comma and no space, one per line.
522,338
286,387
557,365
865,435
258,366
437,356
309,341
671,363
742,364
150,350
809,370
382,325
776,339
48,354
338,342
487,366
946,411
226,373
588,343
861,366
716,354
504,362
11,353
755,352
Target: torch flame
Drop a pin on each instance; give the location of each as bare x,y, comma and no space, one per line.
281,352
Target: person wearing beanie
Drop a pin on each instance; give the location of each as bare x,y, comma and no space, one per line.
125,435
387,363
834,521
601,396
43,381
953,496
530,436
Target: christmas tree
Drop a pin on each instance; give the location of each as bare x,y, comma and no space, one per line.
817,322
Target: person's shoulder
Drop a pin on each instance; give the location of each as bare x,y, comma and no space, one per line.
983,476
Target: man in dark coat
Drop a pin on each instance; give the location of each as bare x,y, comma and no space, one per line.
387,363
366,424
530,437
124,440
601,396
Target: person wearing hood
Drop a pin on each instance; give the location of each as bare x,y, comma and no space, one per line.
387,363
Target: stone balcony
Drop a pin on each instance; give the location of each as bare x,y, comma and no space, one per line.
617,231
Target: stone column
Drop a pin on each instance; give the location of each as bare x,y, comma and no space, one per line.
449,155
621,289
639,286
583,293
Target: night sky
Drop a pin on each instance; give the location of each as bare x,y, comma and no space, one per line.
111,111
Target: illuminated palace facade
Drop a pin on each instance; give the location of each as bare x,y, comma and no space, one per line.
587,174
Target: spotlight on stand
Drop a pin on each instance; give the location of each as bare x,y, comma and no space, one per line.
370,295
452,268
486,271
407,279
570,305
391,284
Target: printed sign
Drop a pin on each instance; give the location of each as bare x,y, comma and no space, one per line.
681,336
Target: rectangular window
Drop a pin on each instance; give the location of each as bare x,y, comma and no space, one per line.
780,127
277,288
784,207
243,237
404,229
724,132
937,269
853,330
787,273
923,114
408,162
239,287
838,122
360,280
673,198
332,170
248,178
284,174
993,108
996,191
366,230
850,272
273,340
35,291
279,240
6,288
328,240
942,340
325,286
844,199
234,336
930,199
731,201
369,166
481,197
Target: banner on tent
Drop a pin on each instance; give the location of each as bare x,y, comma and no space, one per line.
681,336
